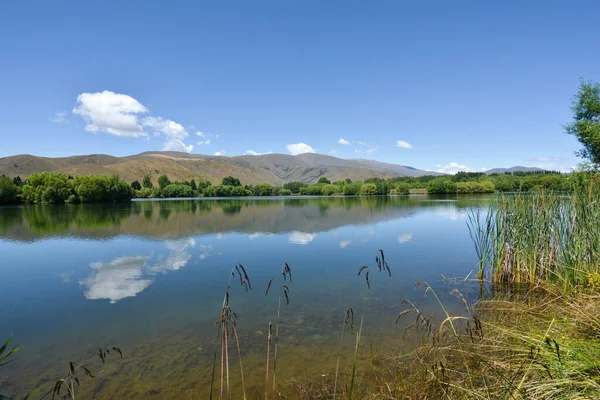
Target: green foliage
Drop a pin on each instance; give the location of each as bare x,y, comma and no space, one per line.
294,187
17,181
47,187
352,189
203,185
9,192
239,191
144,193
586,124
368,189
441,185
177,190
136,185
284,192
163,181
231,181
323,180
147,182
475,187
328,190
312,190
193,185
263,189
402,188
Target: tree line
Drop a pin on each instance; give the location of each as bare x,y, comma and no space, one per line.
56,188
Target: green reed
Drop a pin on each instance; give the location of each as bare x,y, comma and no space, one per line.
552,236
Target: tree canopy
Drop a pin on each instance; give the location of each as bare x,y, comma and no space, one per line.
586,120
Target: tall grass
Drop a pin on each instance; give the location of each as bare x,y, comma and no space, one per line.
546,236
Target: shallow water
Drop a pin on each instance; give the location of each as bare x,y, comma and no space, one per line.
150,277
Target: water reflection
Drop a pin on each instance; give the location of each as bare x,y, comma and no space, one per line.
116,279
184,218
128,276
407,237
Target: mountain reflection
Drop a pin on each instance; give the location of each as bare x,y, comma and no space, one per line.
303,217
128,276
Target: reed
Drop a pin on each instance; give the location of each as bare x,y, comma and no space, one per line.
284,291
544,236
227,328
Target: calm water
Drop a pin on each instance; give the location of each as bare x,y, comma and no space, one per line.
150,277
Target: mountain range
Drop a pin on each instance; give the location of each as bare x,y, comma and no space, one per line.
275,169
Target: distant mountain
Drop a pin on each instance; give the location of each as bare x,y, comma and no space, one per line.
512,169
275,169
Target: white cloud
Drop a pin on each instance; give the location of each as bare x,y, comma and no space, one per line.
201,142
299,148
113,113
546,159
117,279
453,168
219,153
301,237
358,151
333,152
178,257
402,144
201,134
370,151
345,243
362,143
343,141
255,153
407,237
121,115
60,118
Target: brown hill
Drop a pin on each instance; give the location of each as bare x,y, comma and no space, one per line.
275,169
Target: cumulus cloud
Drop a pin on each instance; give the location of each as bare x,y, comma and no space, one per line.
333,152
299,148
343,141
201,142
122,115
117,279
453,168
219,153
301,237
60,118
178,257
362,143
402,144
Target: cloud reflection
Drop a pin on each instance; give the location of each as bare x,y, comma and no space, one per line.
127,276
301,237
407,237
117,279
345,243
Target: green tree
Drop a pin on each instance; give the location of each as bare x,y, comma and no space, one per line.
312,190
323,180
586,124
368,189
8,191
239,191
177,190
47,187
147,183
352,189
294,187
263,189
231,181
136,185
441,185
193,185
163,181
17,181
284,192
328,190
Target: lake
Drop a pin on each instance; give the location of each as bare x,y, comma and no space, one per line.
150,277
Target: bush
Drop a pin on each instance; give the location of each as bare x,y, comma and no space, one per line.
401,188
239,191
294,187
136,185
143,193
231,181
263,189
324,180
328,190
47,187
441,186
177,190
163,181
368,189
352,189
312,190
284,192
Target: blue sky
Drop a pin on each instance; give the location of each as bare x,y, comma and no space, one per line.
473,83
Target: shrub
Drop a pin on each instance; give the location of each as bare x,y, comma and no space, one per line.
177,190
8,191
368,189
328,190
284,192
